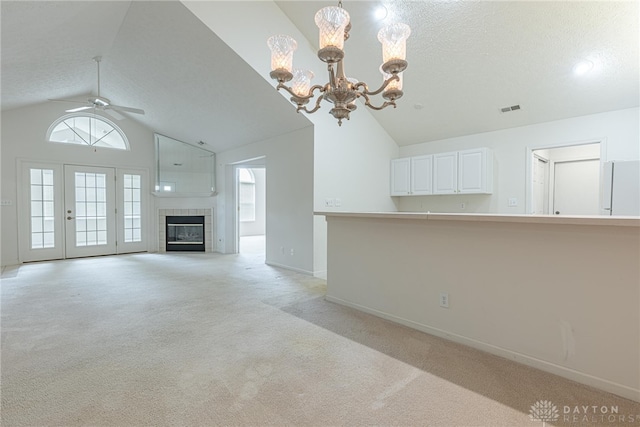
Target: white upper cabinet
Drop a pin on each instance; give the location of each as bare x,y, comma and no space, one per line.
401,177
445,173
463,172
475,171
421,175
456,172
411,176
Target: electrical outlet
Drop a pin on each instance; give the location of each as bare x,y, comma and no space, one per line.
292,252
444,299
512,202
7,202
463,205
338,203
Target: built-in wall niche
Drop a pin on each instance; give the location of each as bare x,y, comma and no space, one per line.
183,170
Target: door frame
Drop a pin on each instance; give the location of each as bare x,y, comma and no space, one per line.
529,153
232,199
26,254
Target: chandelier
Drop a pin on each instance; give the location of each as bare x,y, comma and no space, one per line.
334,25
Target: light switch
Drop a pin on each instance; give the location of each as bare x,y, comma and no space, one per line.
513,202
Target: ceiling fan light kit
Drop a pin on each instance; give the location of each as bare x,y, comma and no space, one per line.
334,25
100,102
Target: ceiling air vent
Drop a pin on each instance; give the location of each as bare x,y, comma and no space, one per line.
512,108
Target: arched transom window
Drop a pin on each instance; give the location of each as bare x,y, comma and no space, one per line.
87,129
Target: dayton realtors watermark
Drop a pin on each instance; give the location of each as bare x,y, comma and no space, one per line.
546,411
596,414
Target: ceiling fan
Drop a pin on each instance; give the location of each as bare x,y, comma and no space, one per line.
100,102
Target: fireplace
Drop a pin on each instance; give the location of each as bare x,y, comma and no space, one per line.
185,233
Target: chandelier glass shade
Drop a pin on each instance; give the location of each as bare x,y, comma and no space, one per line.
334,25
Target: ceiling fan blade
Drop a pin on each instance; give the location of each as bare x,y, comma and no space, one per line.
113,113
67,100
75,110
127,109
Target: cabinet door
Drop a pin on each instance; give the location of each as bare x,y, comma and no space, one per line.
474,171
445,173
421,174
400,177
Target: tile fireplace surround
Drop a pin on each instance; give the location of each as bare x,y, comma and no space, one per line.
208,225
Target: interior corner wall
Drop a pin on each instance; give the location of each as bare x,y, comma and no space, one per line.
619,130
352,171
289,198
351,162
24,137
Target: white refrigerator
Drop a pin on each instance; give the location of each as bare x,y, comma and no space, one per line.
621,188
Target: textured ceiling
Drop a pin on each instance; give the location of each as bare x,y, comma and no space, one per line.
467,59
156,56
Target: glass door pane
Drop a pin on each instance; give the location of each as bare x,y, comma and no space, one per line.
91,208
42,208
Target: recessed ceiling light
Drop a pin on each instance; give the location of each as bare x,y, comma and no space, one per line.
582,67
380,13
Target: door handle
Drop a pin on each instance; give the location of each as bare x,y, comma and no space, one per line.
557,212
69,218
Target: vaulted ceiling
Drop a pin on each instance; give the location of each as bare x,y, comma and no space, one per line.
157,56
467,60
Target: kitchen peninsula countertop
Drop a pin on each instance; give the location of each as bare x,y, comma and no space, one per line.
618,221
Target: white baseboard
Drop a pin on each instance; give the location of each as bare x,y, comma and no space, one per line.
320,274
288,267
581,377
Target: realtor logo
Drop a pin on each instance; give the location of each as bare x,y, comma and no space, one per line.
545,411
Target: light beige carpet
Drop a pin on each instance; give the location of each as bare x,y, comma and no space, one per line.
209,339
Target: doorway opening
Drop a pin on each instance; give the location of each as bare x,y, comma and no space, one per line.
251,198
565,180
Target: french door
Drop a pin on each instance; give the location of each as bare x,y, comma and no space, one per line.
90,211
70,211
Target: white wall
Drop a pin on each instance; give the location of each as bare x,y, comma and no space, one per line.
620,131
577,317
351,162
289,198
24,137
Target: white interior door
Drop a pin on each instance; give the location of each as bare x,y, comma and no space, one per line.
540,187
576,187
90,211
